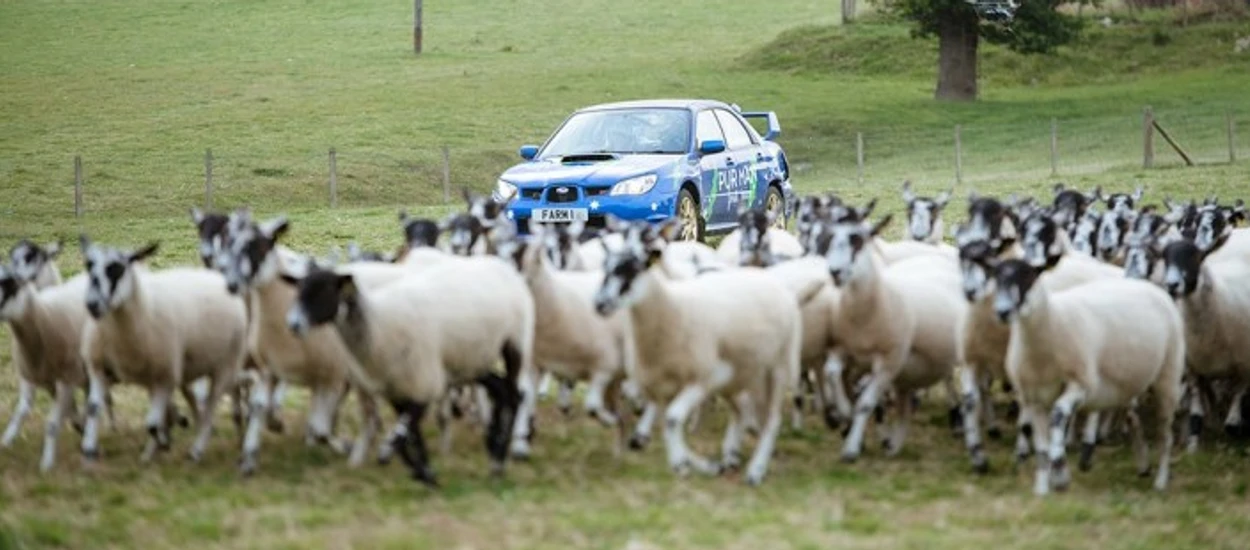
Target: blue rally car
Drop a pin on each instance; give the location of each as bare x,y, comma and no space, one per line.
694,159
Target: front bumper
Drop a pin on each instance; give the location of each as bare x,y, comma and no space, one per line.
594,201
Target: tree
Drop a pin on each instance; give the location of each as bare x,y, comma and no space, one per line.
1035,27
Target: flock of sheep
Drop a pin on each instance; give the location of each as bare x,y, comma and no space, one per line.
1075,312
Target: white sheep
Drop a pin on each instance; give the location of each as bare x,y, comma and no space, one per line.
571,341
924,215
1213,295
756,241
1077,349
252,263
691,342
47,327
160,330
35,263
904,320
415,337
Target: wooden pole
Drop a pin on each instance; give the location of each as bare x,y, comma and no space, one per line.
1232,147
1176,146
208,179
77,186
859,154
959,156
334,179
1054,147
416,26
1148,128
446,175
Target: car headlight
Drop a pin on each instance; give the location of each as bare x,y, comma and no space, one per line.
634,186
504,191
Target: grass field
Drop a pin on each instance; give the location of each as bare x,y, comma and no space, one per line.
141,89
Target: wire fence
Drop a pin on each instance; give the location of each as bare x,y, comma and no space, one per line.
1001,152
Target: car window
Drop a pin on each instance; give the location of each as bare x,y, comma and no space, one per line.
735,135
707,128
623,131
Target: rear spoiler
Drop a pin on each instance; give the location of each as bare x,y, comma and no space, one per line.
774,127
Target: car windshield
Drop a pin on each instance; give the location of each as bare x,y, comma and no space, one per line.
622,131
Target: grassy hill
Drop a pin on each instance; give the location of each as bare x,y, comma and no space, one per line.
141,89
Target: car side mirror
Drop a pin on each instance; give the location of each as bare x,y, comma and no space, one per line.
528,152
712,146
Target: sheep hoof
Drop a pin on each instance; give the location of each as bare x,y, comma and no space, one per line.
1235,431
247,467
90,455
1144,473
195,455
956,419
849,457
682,469
426,477
383,460
638,442
981,466
831,418
77,425
566,410
754,480
730,463
183,421
1087,457
995,433
275,425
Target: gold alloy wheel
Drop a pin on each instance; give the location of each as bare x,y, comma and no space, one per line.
688,213
773,204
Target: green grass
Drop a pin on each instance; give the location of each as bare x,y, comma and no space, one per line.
141,89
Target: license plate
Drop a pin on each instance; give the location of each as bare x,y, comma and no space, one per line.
561,214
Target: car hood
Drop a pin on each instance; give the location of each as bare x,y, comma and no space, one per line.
605,172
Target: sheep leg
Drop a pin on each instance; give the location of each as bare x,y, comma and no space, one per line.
595,398
544,385
864,406
630,390
776,385
1195,418
521,428
370,422
335,400
96,393
1089,439
898,431
443,420
321,409
735,432
408,434
157,430
986,400
25,398
1233,423
1024,435
56,419
504,402
193,403
1039,428
204,424
200,389
956,406
273,420
565,398
971,416
484,405
680,458
1061,416
841,408
642,431
1165,396
615,407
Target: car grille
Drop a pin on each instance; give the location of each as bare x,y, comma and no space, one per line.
596,191
531,193
569,195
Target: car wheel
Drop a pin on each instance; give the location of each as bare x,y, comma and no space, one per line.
775,204
688,214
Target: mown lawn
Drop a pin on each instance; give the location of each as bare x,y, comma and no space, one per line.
141,89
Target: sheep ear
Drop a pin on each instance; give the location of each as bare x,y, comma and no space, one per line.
1095,195
275,228
973,196
575,229
84,242
615,224
403,216
143,253
445,223
908,196
197,215
290,279
54,249
867,209
1058,188
1218,242
468,195
1137,193
943,198
877,227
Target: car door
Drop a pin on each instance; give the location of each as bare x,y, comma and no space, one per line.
711,167
741,166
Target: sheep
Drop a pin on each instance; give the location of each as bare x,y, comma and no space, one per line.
46,326
418,335
570,340
691,342
465,231
160,330
35,263
1214,301
1120,202
811,210
924,215
253,262
756,241
1069,204
1077,349
418,233
902,319
355,254
1084,233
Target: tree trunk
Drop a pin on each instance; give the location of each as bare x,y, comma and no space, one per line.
957,59
848,12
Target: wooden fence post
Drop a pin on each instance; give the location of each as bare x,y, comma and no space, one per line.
446,175
334,179
1054,147
1232,142
1148,129
417,29
959,156
859,154
208,179
77,186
